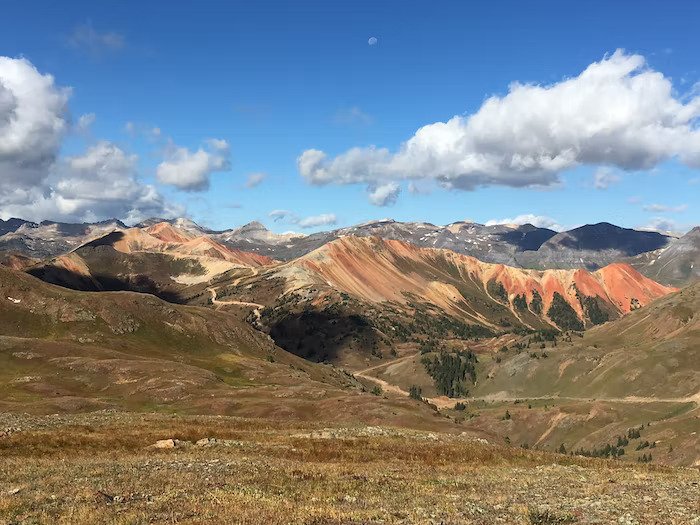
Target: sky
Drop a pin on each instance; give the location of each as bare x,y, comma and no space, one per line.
310,115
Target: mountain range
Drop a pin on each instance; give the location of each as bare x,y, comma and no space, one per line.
526,246
248,322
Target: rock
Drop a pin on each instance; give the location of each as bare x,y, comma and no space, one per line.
169,443
164,443
13,491
207,442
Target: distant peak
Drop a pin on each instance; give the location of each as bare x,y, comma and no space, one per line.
253,226
184,222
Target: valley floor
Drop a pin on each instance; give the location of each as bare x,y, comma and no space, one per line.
99,468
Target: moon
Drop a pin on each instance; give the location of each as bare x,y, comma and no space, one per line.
373,41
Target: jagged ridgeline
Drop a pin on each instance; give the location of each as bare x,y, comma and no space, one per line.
360,296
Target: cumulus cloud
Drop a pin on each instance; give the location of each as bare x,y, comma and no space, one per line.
618,112
662,208
34,119
604,177
384,194
541,221
99,184
87,39
35,184
191,170
324,219
254,179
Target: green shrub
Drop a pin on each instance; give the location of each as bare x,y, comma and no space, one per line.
536,302
415,392
563,315
450,372
497,291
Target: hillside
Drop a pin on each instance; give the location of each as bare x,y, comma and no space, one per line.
641,371
48,238
367,293
592,246
161,260
68,351
678,264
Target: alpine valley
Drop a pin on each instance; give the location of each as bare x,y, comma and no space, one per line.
511,334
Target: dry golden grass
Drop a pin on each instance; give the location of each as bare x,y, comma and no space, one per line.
98,469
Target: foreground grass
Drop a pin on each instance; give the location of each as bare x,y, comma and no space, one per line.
98,469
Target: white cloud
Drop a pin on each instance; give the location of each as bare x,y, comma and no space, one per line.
279,215
35,184
618,113
190,171
34,119
661,225
541,221
325,219
254,179
99,184
85,38
384,194
662,208
604,177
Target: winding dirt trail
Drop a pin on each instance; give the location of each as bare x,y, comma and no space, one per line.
236,282
448,402
386,387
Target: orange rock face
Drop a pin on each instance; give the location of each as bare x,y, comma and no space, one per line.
165,238
387,270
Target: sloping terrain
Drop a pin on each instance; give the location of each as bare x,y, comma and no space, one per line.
161,259
390,271
592,246
639,372
652,353
16,261
48,239
68,351
498,243
253,471
365,294
678,264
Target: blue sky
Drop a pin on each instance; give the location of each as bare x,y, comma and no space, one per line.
274,79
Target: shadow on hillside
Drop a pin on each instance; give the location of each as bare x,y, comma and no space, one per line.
108,240
527,240
103,283
319,336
